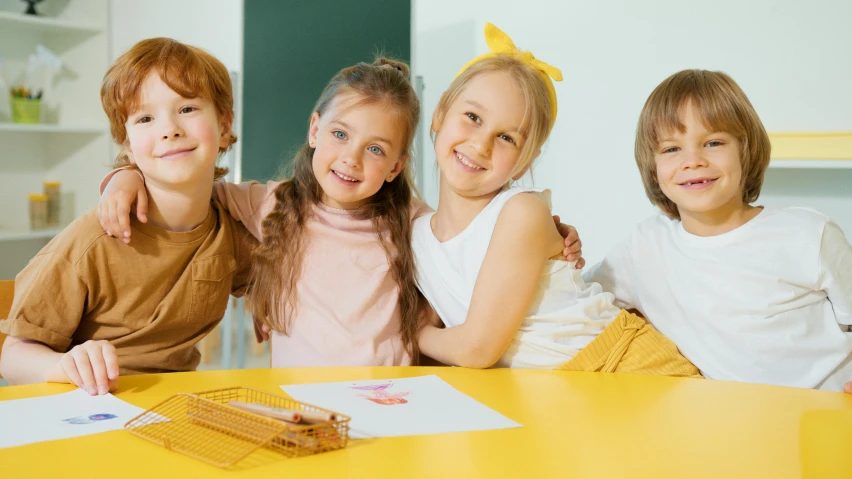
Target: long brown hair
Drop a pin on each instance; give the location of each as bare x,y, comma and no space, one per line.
277,261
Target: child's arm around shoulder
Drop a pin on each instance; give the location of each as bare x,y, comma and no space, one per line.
248,202
119,189
524,238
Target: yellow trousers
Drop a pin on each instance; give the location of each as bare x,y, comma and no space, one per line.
631,345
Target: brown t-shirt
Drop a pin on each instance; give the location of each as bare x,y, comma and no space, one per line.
153,299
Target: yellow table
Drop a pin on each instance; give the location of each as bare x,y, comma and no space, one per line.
575,425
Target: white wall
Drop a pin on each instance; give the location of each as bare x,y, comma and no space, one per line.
793,59
214,25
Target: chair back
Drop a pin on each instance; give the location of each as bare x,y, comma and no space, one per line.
7,293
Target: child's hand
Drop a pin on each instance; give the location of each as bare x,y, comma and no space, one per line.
124,188
573,246
261,330
848,387
92,366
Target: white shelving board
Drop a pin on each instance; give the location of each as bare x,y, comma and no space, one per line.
20,20
17,234
811,164
47,128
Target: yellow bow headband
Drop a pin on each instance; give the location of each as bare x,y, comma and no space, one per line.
500,44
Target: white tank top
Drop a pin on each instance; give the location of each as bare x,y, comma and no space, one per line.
566,313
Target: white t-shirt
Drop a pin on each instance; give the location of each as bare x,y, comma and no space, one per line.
769,302
566,313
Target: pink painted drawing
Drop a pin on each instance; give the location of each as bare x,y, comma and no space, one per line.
379,394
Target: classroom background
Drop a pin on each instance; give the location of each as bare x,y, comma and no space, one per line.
792,58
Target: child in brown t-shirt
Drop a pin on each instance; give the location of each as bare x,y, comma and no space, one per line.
88,308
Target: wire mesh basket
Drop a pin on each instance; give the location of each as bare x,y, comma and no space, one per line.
204,426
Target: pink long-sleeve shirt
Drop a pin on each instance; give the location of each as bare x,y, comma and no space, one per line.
348,302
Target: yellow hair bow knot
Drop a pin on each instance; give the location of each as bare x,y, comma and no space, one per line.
500,44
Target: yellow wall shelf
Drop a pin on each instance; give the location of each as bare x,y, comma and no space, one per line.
818,145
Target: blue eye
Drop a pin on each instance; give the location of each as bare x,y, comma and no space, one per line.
671,149
339,134
714,143
376,150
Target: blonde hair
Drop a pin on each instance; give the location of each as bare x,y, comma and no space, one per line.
538,115
189,71
722,106
277,261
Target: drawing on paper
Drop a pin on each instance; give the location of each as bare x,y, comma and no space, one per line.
89,419
379,394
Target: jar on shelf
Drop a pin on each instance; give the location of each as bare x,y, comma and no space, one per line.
51,189
38,211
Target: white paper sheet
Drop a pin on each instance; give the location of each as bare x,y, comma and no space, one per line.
72,414
401,407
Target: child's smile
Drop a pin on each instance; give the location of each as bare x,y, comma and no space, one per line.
345,178
468,164
698,183
175,153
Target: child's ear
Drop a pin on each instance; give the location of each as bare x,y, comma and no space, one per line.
437,121
125,148
225,137
397,169
523,172
313,129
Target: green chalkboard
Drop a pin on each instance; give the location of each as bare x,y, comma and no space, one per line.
292,49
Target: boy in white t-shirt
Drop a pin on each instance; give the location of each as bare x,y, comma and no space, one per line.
747,293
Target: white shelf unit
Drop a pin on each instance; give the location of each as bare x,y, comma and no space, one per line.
811,164
72,144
